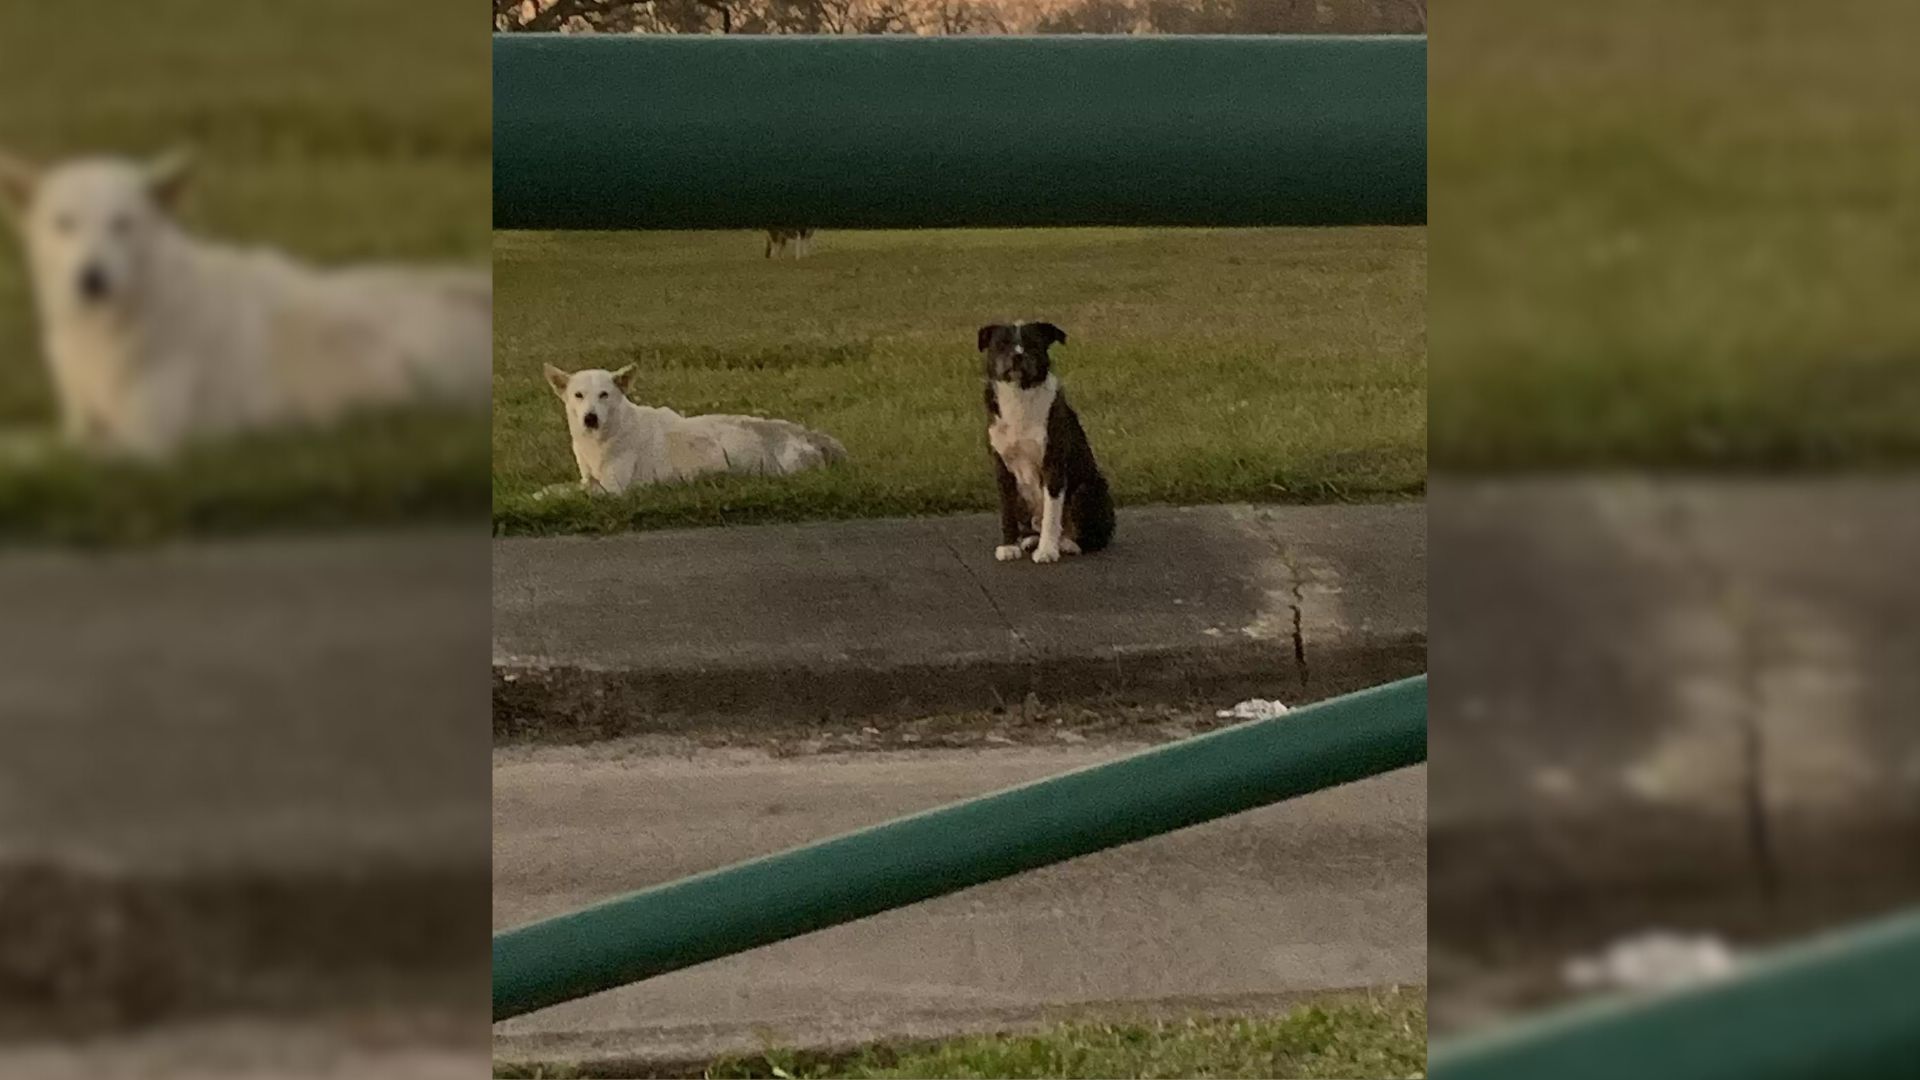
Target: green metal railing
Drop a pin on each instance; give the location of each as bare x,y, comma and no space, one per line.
669,132
915,858
1843,1006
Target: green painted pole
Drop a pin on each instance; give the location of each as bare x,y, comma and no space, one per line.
915,858
704,132
1841,1007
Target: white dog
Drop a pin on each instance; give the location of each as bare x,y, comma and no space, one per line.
618,444
156,339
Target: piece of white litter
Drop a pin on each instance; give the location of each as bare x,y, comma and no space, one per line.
1652,961
1253,709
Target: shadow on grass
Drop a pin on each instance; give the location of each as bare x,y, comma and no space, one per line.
1369,475
381,469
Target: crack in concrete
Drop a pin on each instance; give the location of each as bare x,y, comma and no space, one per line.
1025,648
1296,597
1299,635
1753,741
1725,594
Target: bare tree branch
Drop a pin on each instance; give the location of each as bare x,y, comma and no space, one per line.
962,16
545,16
725,10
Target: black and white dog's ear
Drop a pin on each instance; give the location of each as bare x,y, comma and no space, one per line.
1051,333
986,335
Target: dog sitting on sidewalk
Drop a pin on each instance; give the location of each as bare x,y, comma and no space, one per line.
1053,499
618,444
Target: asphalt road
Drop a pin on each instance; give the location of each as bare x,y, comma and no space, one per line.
1320,893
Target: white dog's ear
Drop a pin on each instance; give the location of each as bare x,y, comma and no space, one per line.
624,377
168,175
18,178
556,379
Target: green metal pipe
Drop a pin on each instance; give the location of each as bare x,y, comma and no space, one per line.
1843,1006
755,903
622,131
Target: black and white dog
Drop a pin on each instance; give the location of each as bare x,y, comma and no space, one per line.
1053,500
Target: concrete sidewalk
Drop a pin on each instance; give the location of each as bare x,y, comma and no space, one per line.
1681,703
1676,681
242,777
621,633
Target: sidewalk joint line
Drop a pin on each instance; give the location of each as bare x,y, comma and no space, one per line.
1026,649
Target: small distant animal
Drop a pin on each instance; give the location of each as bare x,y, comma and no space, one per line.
1054,500
618,444
799,241
156,339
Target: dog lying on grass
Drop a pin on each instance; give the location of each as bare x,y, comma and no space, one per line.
618,444
156,339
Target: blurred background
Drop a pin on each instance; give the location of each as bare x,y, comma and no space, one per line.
243,721
338,133
1673,417
1675,409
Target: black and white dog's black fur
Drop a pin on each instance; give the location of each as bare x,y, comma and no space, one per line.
1053,500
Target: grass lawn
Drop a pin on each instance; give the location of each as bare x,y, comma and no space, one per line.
378,469
1208,366
336,129
1675,234
1381,1036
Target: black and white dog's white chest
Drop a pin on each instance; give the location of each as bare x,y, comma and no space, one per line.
1017,431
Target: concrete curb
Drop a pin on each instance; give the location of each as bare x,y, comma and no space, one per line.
599,637
87,952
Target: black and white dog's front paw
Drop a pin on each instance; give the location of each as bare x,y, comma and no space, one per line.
1046,554
1011,552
